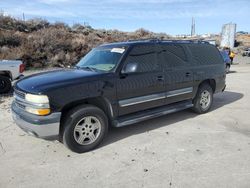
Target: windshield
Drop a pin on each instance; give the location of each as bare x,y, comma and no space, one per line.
102,58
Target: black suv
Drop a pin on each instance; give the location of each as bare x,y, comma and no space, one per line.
118,84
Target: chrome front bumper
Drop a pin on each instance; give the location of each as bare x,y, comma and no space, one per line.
46,127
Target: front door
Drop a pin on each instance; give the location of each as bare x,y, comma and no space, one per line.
144,88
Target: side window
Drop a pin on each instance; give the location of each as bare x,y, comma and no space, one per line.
145,56
204,54
173,55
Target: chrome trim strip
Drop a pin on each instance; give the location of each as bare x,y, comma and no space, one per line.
138,100
179,92
153,97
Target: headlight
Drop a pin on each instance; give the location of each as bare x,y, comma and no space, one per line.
39,99
39,104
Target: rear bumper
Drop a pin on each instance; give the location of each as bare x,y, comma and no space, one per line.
220,83
46,127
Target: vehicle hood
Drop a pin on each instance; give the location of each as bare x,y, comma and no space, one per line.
42,82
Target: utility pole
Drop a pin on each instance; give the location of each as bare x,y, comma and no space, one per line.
193,27
23,17
1,12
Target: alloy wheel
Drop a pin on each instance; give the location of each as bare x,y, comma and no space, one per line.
87,130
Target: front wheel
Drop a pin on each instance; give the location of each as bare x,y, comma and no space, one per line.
84,128
204,99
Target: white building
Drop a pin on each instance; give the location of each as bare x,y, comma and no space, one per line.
228,35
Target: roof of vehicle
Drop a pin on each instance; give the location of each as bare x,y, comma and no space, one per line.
153,41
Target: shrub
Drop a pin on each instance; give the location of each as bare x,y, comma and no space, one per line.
9,39
39,43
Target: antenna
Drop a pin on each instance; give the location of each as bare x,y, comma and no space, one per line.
23,17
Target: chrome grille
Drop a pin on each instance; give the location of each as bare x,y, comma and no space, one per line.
20,105
19,94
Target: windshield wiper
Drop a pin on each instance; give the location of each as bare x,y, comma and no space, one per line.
77,67
87,68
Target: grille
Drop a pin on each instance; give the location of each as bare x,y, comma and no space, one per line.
19,97
19,94
20,105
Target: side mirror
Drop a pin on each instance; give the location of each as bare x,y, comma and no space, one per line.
130,68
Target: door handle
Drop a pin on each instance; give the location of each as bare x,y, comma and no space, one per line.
188,74
160,78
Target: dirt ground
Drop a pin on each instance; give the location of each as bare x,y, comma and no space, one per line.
177,150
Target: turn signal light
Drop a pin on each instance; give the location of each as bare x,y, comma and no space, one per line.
40,112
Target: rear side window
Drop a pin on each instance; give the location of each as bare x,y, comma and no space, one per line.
205,54
145,56
173,55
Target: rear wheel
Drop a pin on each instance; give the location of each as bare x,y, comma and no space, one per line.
204,99
5,84
84,128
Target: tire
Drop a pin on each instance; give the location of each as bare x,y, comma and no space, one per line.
5,84
227,68
200,100
84,128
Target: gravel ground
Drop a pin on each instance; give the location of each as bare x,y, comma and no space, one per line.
177,150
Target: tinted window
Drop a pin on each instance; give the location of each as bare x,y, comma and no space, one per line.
205,54
145,56
173,55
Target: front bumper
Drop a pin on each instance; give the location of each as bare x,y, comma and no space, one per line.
46,127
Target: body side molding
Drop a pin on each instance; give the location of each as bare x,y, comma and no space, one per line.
153,97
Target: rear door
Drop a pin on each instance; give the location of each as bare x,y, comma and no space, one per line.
144,88
177,71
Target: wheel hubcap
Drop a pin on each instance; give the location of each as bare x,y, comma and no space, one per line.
205,99
87,130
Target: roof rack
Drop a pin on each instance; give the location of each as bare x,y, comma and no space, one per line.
169,41
186,41
145,39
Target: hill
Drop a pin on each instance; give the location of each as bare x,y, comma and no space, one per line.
39,43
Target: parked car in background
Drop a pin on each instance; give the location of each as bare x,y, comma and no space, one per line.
246,52
226,60
9,70
118,84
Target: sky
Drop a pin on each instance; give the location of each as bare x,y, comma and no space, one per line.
168,16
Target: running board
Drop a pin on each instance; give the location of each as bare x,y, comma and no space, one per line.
152,113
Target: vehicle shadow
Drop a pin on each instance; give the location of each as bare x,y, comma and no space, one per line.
116,134
232,72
